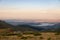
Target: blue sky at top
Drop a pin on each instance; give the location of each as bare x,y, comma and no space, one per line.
30,9
29,3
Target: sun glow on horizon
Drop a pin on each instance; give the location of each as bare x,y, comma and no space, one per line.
30,9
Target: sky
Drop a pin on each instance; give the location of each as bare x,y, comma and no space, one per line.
30,9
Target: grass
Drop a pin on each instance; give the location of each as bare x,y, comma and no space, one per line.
46,35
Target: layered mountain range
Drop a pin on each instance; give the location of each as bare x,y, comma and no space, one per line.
30,25
41,26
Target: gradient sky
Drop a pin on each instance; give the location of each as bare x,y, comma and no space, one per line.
30,9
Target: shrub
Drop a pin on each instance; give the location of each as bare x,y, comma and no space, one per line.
41,38
57,33
37,34
19,35
24,38
49,38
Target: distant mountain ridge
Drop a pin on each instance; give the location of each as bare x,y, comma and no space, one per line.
33,20
3,24
31,23
32,26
